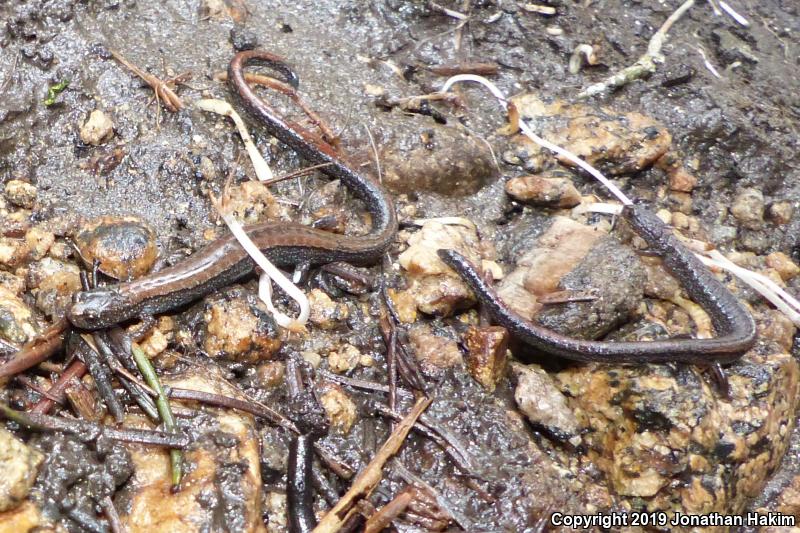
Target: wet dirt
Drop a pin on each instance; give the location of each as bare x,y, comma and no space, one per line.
740,128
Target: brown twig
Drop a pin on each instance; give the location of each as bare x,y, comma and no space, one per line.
368,478
384,516
89,432
162,89
111,515
57,391
339,467
36,350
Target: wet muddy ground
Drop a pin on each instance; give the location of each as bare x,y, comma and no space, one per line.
735,130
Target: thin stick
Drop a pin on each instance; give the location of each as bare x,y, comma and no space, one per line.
381,519
89,431
162,90
35,350
646,64
75,371
111,515
162,403
368,479
258,409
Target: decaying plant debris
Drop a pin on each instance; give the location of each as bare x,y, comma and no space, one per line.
393,392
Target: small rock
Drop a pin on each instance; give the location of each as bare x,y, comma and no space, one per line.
781,212
680,202
243,39
124,246
54,294
326,313
748,208
270,374
21,194
435,287
222,473
559,249
16,319
441,159
344,359
617,143
783,264
681,180
251,202
543,403
38,242
340,409
97,129
544,190
404,304
776,326
434,353
238,327
15,284
487,354
19,466
677,74
154,343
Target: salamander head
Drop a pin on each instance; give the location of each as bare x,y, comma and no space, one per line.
99,308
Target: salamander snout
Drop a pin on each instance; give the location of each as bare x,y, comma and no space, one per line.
97,308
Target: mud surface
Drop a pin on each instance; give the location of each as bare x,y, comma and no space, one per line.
740,128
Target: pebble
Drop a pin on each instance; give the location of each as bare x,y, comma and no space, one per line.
543,404
270,374
487,354
554,189
97,129
440,159
243,39
344,359
238,327
21,194
434,353
781,262
339,408
326,313
748,208
781,212
436,288
682,181
16,318
251,202
124,246
19,466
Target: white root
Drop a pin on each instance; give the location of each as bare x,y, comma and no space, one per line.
270,272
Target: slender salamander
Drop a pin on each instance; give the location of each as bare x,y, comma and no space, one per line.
224,261
734,325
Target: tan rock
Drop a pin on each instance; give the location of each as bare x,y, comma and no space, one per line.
344,358
124,246
19,466
97,129
326,313
434,353
748,208
544,190
783,264
239,328
543,403
340,409
487,349
21,193
781,212
155,507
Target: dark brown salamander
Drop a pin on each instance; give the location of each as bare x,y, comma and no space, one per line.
224,260
735,327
